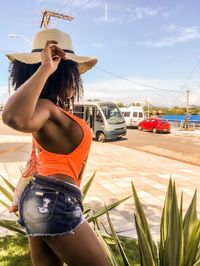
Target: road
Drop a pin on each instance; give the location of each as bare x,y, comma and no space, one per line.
181,148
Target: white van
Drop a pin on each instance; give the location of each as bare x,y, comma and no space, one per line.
133,115
104,118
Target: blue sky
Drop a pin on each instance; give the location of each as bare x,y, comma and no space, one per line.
147,50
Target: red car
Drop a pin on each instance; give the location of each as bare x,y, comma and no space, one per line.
155,124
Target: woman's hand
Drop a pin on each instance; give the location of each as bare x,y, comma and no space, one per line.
13,209
51,56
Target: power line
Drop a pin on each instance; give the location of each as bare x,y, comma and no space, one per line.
191,73
135,82
187,79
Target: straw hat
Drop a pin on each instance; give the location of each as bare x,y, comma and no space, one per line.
64,42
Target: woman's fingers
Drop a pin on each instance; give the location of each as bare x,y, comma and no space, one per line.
51,56
57,51
53,50
13,209
49,42
47,49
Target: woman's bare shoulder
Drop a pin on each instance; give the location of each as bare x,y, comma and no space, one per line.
46,103
49,105
55,115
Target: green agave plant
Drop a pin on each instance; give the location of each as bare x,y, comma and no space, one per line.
179,236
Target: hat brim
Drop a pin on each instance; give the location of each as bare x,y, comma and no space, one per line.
84,63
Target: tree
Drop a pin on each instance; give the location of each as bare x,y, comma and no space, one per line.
121,105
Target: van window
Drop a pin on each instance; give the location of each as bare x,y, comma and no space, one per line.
127,114
134,114
99,117
112,113
140,114
79,111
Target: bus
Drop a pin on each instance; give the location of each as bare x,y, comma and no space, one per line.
104,119
133,115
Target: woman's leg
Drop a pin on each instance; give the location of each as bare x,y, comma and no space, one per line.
79,249
42,254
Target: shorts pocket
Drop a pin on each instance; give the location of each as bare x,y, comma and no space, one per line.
40,203
72,207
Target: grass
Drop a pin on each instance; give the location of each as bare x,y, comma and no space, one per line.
130,247
14,251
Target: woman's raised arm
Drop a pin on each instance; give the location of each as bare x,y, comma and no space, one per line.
20,110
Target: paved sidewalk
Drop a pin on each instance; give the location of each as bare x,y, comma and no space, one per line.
187,133
116,167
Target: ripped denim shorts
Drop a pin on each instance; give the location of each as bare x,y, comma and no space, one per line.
50,207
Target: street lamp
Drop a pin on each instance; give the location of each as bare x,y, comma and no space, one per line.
21,36
147,103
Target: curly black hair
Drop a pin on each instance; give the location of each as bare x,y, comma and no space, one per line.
63,80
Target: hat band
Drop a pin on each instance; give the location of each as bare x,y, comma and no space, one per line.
40,50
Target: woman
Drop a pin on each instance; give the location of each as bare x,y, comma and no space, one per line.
47,81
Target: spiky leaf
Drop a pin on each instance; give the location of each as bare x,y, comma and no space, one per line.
143,222
11,187
103,210
107,249
144,246
165,221
11,225
193,245
189,221
6,193
117,241
173,250
87,186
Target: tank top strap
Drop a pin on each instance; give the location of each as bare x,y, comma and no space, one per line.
34,141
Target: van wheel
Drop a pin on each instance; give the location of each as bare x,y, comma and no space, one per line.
154,130
140,128
101,137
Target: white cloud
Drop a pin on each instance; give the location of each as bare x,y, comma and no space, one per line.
122,91
176,9
140,13
85,4
180,35
127,14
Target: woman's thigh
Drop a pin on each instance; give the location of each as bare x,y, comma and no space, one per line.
79,249
42,254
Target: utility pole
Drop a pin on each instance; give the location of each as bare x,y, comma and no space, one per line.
187,106
147,104
186,122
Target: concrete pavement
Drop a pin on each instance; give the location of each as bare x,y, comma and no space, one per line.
116,167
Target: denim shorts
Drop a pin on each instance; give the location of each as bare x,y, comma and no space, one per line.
50,207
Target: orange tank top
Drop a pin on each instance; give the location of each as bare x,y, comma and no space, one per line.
71,164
